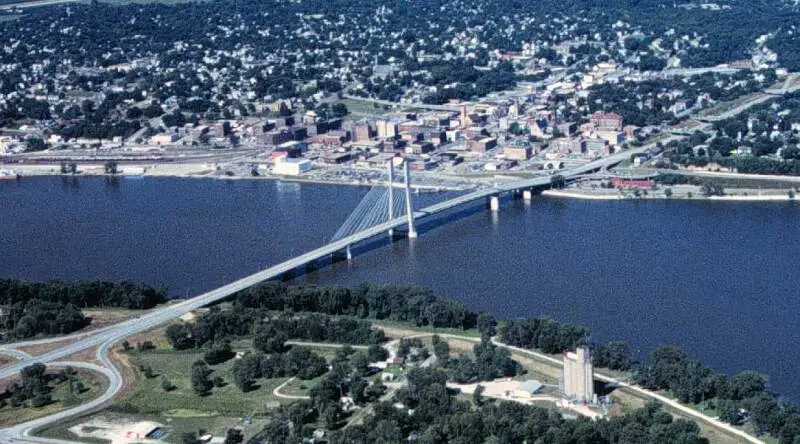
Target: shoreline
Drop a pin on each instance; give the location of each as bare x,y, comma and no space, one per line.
176,175
729,198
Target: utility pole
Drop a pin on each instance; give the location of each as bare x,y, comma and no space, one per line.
412,233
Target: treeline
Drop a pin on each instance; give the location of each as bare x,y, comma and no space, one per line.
744,164
736,399
54,307
83,294
299,362
397,303
491,362
438,416
269,332
26,319
544,334
315,328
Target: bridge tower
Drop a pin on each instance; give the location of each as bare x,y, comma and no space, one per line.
412,233
391,195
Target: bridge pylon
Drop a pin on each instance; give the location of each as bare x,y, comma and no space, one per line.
391,195
412,232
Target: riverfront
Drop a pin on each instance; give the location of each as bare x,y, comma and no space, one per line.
636,282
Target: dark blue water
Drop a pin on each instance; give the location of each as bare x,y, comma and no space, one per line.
715,278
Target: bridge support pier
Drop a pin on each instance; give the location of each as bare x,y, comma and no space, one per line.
349,254
493,202
527,194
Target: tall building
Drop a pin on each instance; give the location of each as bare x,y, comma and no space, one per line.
361,132
578,375
386,128
611,121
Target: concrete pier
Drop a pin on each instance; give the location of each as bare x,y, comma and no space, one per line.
494,203
527,194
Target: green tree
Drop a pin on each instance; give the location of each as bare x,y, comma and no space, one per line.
166,384
746,385
442,351
234,436
486,325
189,438
477,395
201,383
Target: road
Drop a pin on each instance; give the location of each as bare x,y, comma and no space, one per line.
710,174
35,3
22,432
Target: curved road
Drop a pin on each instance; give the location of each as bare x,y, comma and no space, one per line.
22,432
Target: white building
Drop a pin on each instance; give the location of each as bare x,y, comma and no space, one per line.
578,375
291,167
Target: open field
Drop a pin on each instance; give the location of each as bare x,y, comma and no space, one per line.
148,397
358,107
395,329
93,384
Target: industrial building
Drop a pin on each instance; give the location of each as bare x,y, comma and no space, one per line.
291,167
578,375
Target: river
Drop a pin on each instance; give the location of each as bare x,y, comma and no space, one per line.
714,278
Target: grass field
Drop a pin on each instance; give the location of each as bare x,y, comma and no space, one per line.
148,397
359,107
389,325
94,385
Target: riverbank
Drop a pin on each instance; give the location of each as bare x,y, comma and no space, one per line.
204,171
694,194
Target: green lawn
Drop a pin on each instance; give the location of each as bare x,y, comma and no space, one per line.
472,333
358,106
147,395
